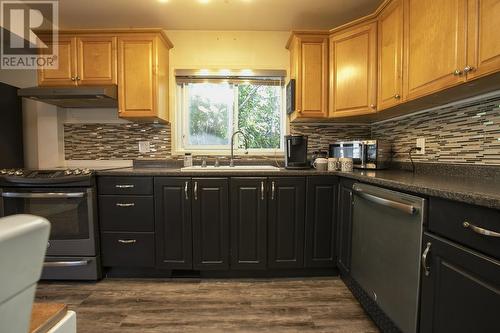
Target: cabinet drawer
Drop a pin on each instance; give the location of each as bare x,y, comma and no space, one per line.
125,185
458,221
126,213
128,249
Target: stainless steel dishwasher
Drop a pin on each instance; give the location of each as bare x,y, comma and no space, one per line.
386,247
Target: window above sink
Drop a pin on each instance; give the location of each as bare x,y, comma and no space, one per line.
211,105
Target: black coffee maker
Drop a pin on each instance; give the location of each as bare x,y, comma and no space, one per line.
296,152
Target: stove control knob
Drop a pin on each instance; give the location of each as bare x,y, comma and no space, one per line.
3,171
68,172
10,172
19,172
77,172
86,172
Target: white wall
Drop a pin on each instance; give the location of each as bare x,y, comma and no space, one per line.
224,50
43,124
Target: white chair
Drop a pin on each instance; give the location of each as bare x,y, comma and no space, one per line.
23,241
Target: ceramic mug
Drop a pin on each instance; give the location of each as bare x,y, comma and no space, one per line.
346,164
333,164
321,164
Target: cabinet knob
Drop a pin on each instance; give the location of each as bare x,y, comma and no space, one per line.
457,72
373,106
397,96
468,69
78,78
73,78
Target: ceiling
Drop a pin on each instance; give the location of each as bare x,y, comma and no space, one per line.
282,15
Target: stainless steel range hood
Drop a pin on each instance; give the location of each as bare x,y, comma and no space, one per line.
74,97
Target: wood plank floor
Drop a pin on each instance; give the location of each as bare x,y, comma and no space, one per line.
193,305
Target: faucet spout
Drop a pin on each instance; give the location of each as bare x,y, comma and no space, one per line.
231,161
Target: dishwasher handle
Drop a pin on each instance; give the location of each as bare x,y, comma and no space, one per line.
403,207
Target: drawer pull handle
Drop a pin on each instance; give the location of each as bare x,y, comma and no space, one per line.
262,190
127,241
125,186
272,191
479,230
427,269
125,204
186,185
195,190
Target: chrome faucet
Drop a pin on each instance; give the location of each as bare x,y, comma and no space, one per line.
231,162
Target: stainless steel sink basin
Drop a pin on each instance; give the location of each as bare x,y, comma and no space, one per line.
226,168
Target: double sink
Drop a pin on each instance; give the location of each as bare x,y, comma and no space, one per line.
225,168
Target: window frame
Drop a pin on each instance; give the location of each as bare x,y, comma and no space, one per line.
182,126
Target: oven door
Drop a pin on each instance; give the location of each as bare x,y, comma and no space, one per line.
70,211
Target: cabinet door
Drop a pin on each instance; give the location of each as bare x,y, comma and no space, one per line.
353,71
309,56
210,223
344,230
65,74
286,222
174,240
248,223
461,293
390,55
483,54
136,74
96,60
321,210
435,45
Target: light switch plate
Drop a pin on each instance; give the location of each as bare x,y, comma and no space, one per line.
144,147
421,145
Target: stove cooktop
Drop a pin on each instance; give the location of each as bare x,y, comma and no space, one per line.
46,178
43,174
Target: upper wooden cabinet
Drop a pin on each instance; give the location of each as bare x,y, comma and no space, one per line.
135,60
390,55
83,60
435,45
143,77
353,71
96,60
309,67
65,74
483,53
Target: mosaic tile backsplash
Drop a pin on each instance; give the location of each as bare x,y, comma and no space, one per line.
468,133
321,135
115,141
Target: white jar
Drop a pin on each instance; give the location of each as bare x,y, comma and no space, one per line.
346,164
333,164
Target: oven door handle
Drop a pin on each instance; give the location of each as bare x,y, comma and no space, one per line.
46,195
66,263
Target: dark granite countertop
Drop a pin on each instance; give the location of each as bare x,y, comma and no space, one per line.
475,189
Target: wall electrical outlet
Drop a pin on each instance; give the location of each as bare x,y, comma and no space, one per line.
144,147
421,145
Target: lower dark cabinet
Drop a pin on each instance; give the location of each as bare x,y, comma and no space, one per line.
461,293
286,222
128,249
320,228
210,210
248,223
344,226
174,240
